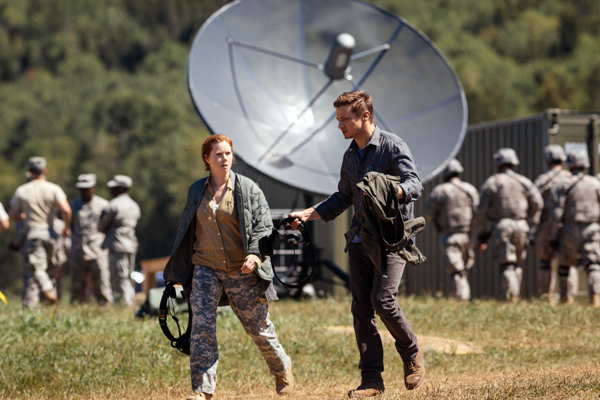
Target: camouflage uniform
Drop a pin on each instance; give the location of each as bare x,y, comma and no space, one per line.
60,255
545,184
247,299
39,200
118,221
87,255
576,205
512,204
451,206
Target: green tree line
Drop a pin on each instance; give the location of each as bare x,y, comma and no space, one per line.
99,86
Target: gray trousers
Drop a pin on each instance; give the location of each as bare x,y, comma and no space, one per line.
121,267
38,249
373,294
247,300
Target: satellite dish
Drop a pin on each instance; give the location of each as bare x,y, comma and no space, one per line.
266,73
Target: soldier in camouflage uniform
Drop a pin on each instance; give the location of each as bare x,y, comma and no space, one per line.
554,155
451,207
36,203
88,258
118,222
512,204
576,206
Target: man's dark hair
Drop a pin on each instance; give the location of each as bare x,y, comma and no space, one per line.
360,101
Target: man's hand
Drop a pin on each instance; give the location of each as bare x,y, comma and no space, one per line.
481,247
249,266
304,215
66,232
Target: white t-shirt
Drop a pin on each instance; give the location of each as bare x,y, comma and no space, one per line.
38,199
3,214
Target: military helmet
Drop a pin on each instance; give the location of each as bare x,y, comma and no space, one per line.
506,155
554,152
578,159
452,168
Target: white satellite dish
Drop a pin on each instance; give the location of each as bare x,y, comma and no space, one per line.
266,73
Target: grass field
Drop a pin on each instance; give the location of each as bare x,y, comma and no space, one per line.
531,351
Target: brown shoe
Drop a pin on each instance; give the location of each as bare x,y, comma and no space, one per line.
414,372
284,384
200,396
365,390
50,297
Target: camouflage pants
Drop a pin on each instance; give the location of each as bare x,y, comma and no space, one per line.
38,249
121,267
510,282
97,269
247,299
510,241
579,243
544,252
32,295
460,257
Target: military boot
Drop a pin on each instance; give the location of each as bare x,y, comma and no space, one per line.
50,297
568,301
284,384
200,396
414,371
596,300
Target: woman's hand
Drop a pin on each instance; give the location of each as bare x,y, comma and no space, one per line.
249,266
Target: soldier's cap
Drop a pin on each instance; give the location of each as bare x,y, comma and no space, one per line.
554,152
36,164
577,159
506,155
453,167
120,181
86,181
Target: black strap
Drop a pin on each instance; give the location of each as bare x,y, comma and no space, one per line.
181,343
546,185
307,243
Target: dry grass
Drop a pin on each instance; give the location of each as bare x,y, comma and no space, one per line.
531,351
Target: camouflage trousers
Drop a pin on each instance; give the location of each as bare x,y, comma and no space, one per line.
32,294
545,253
37,251
509,238
247,299
579,243
121,266
459,257
97,271
510,282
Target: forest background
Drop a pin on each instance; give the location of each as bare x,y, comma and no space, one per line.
99,86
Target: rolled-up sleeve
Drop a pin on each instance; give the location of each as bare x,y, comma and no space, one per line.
404,167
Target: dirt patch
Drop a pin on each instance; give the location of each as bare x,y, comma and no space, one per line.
428,343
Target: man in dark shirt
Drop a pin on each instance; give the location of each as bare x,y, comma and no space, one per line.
373,293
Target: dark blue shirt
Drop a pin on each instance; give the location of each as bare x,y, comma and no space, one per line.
385,153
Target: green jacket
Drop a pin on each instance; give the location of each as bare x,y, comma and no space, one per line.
255,222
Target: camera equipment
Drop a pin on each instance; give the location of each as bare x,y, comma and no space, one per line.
265,245
182,341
